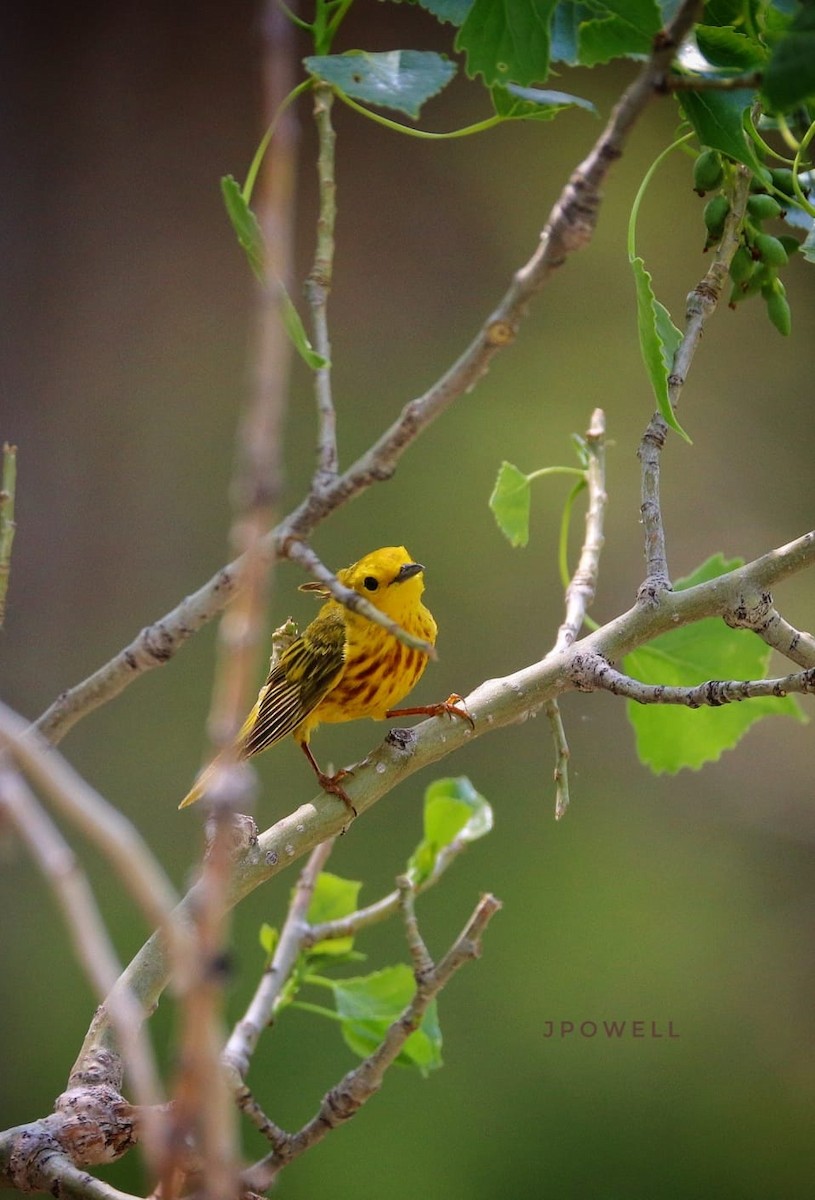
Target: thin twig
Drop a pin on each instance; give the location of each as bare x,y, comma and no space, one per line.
569,228
8,487
419,953
387,905
345,1099
318,287
592,672
561,772
702,303
246,1034
580,593
583,585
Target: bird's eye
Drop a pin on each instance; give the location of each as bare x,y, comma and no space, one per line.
370,584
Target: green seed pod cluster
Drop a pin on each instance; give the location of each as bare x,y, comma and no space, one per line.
782,180
761,255
778,308
762,207
708,172
741,266
770,250
715,215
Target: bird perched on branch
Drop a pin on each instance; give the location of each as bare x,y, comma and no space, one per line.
344,666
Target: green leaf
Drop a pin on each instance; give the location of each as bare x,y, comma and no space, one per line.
245,223
250,237
333,898
716,118
269,938
728,47
790,75
618,28
297,333
565,32
510,502
507,41
724,12
451,11
659,339
453,811
515,102
670,737
368,1005
397,79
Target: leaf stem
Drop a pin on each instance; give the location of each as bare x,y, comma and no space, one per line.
649,174
796,167
565,524
765,147
254,169
556,471
293,17
336,20
318,1009
786,133
478,127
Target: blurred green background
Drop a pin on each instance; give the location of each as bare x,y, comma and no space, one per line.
127,326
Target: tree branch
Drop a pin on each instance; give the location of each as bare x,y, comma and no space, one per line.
246,1034
318,287
581,590
702,303
569,228
758,614
561,772
580,593
591,672
495,704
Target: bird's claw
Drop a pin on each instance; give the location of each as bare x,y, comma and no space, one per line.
331,784
456,706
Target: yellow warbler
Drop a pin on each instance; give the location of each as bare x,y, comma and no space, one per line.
344,666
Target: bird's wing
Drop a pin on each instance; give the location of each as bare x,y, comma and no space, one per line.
306,671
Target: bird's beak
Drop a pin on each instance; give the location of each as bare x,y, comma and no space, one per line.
408,571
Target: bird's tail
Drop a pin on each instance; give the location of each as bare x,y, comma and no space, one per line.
200,786
205,777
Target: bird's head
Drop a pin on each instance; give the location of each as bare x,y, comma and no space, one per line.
389,578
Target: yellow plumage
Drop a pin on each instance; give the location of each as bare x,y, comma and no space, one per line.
343,666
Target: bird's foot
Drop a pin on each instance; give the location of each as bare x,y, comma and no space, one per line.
331,784
453,706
